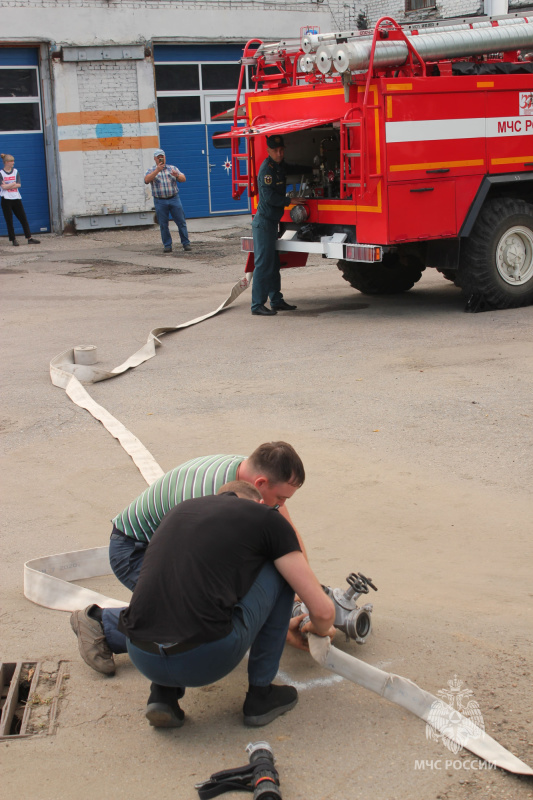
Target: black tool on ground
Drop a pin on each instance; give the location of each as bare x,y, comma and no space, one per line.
260,776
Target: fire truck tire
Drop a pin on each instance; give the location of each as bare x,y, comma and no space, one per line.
449,274
390,276
496,265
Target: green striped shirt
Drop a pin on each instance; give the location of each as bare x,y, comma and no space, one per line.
195,478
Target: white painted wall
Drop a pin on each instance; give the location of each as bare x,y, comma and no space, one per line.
93,22
92,179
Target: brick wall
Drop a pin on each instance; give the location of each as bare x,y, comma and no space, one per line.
113,178
269,5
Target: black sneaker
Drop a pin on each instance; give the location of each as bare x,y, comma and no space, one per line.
264,703
31,240
163,709
15,243
167,249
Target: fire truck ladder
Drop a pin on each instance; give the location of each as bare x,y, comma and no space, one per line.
352,148
240,180
355,160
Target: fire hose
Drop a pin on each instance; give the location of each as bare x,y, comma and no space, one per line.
47,579
449,722
442,717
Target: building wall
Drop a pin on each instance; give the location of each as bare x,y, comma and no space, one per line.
91,22
105,111
107,130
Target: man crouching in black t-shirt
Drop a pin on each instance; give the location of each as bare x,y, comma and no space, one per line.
219,578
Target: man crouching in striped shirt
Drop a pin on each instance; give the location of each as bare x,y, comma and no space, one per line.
274,468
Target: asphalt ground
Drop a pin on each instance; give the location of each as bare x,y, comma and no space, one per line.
414,421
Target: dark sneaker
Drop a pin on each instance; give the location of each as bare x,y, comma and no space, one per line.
264,703
168,249
15,243
283,306
92,643
187,248
33,241
163,709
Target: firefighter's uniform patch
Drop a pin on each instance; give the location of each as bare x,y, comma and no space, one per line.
268,179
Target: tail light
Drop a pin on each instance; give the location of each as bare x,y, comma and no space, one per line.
247,244
363,252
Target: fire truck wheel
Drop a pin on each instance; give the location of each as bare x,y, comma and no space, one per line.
390,276
449,274
497,258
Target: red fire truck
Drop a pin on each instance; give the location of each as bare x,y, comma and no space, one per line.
421,141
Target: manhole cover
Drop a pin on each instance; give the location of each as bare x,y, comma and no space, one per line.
29,698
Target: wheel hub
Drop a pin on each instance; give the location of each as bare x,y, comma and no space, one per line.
514,256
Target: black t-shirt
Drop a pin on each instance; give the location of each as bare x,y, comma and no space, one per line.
202,559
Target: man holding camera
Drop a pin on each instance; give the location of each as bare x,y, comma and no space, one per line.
164,179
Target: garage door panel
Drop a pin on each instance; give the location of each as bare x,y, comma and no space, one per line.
19,94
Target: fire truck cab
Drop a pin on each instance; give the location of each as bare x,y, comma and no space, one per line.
421,143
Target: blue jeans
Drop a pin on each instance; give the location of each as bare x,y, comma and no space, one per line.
267,279
171,208
126,557
260,623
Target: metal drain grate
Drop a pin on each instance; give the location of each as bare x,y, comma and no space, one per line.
29,697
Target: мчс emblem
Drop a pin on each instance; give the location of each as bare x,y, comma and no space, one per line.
526,103
453,717
268,179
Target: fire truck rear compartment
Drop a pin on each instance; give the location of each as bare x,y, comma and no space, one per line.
319,147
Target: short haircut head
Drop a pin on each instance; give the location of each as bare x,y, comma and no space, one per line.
279,462
242,489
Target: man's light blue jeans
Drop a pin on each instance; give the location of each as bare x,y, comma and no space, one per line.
260,623
171,208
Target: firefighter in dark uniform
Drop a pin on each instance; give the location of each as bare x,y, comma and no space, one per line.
271,183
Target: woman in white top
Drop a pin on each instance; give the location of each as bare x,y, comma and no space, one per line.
12,201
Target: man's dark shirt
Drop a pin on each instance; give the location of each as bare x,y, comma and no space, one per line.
272,186
203,558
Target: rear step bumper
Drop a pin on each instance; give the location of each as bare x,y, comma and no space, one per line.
334,246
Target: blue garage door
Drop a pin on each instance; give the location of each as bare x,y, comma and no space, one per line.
192,84
21,132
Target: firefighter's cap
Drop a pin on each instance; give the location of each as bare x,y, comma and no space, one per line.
275,141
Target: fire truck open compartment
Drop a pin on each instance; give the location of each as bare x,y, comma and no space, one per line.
418,139
319,147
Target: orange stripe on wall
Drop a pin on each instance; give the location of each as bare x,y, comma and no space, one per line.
98,117
112,143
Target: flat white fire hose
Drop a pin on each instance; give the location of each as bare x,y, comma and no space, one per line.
444,718
47,580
